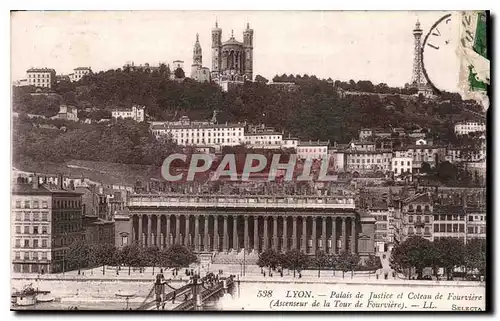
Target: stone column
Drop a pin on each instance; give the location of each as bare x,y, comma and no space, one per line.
285,236
294,233
353,235
304,234
205,234
225,241
333,249
177,229
265,234
158,225
245,235
148,237
256,233
344,235
167,233
131,237
314,236
141,243
197,233
323,232
236,246
275,233
186,236
216,234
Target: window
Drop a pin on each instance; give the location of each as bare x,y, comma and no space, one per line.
35,204
448,228
35,243
449,217
419,208
26,243
410,219
410,208
26,216
436,227
44,229
436,217
44,216
18,204
36,216
18,255
26,204
44,255
26,230
18,216
26,255
44,243
35,229
426,230
455,228
18,242
461,228
427,219
470,230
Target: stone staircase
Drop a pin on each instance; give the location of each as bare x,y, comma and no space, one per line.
234,257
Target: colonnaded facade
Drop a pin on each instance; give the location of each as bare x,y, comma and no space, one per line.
232,223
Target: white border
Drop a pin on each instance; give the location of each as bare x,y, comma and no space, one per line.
188,5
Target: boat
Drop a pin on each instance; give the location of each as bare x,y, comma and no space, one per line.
44,298
124,294
26,297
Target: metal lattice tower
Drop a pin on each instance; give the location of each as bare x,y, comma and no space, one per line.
418,78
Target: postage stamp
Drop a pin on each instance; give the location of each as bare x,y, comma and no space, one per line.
249,161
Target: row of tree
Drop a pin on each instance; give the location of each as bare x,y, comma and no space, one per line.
84,255
297,261
446,253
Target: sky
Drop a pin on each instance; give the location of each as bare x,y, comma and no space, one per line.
343,45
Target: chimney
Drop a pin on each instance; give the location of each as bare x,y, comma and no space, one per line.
35,181
60,181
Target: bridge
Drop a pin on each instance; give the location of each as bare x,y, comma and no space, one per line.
188,297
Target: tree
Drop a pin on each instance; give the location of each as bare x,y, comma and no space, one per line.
450,253
261,79
152,256
426,168
129,255
78,254
320,261
414,252
332,262
475,256
180,256
269,258
103,254
296,260
372,262
179,73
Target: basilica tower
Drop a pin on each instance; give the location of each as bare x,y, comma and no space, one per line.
197,55
248,46
216,48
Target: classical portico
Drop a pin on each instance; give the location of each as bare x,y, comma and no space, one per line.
232,223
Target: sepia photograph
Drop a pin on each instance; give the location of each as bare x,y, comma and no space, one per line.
249,161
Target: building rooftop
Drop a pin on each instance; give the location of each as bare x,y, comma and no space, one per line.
420,198
47,189
82,68
195,126
313,143
41,70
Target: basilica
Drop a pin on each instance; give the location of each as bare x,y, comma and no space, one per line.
232,61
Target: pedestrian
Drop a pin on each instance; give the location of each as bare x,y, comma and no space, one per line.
264,273
281,273
173,298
